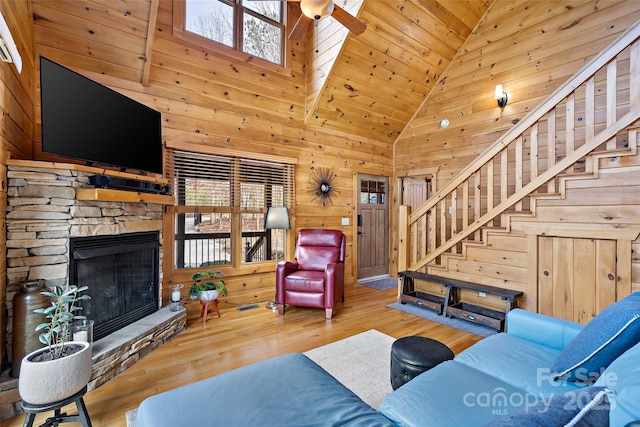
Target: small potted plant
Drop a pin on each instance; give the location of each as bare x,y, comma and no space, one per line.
207,286
63,367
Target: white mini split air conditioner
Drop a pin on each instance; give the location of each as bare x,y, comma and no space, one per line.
8,49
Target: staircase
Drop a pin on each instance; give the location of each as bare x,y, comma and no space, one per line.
594,115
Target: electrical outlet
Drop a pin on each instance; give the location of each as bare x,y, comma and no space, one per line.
482,294
345,221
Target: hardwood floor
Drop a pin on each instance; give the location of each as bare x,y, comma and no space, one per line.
242,337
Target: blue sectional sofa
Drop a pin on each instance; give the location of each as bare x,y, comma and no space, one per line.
515,378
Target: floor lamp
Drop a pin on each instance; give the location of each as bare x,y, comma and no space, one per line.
277,218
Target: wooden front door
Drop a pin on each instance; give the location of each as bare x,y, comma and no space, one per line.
373,226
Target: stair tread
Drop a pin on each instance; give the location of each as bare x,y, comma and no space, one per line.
538,195
572,174
613,152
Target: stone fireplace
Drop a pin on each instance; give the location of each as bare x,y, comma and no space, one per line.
57,233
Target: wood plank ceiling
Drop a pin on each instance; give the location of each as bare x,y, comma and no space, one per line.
372,88
382,77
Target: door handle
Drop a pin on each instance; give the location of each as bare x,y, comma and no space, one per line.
360,233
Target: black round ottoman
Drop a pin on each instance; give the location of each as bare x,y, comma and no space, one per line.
411,356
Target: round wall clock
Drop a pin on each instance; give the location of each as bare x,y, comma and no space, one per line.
322,184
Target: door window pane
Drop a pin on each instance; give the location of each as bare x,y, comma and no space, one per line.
372,193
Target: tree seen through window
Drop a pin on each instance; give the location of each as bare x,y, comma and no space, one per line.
252,27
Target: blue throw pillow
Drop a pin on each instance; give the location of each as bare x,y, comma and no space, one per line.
583,407
623,375
612,332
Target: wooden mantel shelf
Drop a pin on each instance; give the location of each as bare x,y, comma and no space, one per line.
110,195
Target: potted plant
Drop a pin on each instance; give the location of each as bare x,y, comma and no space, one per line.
206,287
63,367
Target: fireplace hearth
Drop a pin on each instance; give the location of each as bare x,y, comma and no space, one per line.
122,274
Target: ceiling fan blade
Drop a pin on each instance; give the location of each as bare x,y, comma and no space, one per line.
354,25
300,28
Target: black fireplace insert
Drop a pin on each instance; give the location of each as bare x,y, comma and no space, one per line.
122,274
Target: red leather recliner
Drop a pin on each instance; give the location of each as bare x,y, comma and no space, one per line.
316,277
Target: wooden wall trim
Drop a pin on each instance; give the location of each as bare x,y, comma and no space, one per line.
584,231
148,50
197,148
531,293
422,172
624,284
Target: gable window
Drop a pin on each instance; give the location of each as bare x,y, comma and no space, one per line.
251,27
221,201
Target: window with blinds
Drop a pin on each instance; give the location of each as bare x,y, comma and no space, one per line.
220,206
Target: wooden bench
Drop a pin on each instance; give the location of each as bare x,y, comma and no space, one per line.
450,305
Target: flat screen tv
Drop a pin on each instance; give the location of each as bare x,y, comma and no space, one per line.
84,120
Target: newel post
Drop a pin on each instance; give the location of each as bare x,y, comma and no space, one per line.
403,237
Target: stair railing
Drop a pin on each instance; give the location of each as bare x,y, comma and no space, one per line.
589,112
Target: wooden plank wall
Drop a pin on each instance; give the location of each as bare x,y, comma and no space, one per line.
217,101
241,107
16,131
530,48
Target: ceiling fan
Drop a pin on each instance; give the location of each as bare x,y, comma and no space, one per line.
315,10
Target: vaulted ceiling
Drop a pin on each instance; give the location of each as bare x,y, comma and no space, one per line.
370,85
380,78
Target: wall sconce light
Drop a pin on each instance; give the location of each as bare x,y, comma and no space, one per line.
501,96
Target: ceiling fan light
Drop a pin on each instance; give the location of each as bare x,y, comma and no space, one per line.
316,9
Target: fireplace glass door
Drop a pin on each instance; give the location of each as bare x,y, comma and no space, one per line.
122,274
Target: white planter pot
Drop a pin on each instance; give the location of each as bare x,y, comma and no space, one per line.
208,295
53,380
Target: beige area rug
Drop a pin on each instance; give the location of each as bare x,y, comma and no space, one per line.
360,362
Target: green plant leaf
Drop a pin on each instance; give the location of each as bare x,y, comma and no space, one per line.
60,315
